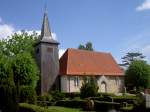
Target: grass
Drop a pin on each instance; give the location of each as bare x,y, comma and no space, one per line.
35,108
63,109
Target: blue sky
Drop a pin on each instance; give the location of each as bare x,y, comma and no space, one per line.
116,26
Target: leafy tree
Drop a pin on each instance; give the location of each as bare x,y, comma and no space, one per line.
87,46
19,50
138,75
17,65
8,96
25,70
6,75
3,48
130,57
89,87
20,43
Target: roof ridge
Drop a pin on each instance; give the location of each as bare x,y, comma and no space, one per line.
88,51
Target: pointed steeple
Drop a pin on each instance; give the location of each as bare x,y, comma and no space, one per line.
46,34
46,31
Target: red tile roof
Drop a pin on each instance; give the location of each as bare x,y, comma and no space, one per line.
82,62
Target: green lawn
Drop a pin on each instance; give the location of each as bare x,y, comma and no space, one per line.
35,108
63,109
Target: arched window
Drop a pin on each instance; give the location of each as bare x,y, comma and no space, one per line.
103,87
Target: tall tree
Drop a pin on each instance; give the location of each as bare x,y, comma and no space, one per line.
138,75
25,70
19,43
7,87
19,48
87,46
130,57
17,63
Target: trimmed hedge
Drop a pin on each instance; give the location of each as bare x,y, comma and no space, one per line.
72,95
104,106
105,95
106,98
56,95
70,103
118,99
44,100
128,99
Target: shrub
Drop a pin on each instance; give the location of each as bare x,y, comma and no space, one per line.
56,95
104,106
27,94
89,88
44,100
72,95
70,103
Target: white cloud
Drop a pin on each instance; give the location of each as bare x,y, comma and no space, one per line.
146,52
144,6
54,36
61,52
6,30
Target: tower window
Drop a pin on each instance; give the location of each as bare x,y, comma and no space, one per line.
49,49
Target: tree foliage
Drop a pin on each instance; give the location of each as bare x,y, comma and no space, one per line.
87,46
138,75
17,58
6,76
27,94
25,70
17,67
89,87
130,57
20,43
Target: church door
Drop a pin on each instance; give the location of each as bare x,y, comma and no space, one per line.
103,87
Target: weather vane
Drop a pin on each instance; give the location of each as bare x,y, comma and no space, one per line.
45,6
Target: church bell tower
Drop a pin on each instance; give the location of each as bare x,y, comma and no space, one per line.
47,58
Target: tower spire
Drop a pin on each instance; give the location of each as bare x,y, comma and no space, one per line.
46,31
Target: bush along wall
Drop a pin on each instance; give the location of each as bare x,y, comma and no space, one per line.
45,100
70,103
